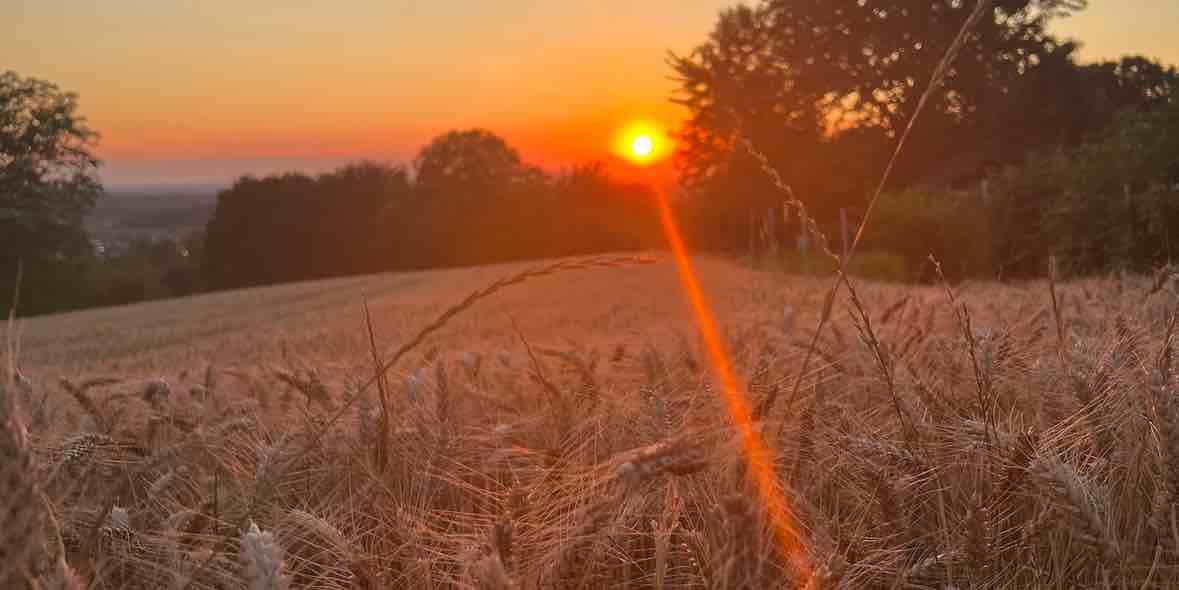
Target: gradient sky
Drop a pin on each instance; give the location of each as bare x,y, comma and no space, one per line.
188,91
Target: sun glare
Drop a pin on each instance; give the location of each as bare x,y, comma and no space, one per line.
758,458
641,146
642,142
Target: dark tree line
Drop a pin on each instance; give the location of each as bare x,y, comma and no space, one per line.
822,88
1108,204
469,200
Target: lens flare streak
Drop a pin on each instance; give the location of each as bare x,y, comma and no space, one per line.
757,456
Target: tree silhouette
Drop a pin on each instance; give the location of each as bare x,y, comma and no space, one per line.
473,201
295,227
822,87
48,182
474,187
470,164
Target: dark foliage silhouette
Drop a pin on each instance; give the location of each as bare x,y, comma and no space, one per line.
48,182
472,200
821,88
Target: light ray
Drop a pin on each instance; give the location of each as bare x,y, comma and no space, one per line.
758,458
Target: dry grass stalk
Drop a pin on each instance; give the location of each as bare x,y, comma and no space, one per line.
883,362
585,370
381,445
21,559
979,537
262,560
503,283
1060,341
491,571
31,551
558,399
81,394
315,551
740,560
591,522
1073,498
310,386
935,82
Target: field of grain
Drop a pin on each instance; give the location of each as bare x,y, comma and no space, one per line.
323,322
567,432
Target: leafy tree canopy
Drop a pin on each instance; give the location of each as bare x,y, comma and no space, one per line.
47,169
821,89
48,180
472,163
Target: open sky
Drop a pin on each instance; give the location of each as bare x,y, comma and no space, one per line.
200,91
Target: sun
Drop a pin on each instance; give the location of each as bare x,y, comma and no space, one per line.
641,142
641,146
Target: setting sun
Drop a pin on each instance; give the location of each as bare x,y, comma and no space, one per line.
641,146
642,143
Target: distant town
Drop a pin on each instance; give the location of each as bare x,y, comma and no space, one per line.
121,218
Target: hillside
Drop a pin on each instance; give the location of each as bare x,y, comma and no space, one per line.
322,321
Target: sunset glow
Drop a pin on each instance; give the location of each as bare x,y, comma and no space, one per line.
641,146
642,142
315,85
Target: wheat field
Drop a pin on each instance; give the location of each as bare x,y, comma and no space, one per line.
565,431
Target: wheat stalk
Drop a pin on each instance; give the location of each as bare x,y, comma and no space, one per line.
262,560
935,82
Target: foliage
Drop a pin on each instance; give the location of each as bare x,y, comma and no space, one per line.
880,266
871,265
47,183
143,270
953,227
147,270
821,89
1108,204
292,227
472,201
471,164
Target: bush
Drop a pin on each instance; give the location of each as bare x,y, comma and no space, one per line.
954,227
880,266
1106,205
877,266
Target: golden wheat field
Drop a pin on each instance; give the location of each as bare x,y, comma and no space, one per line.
565,431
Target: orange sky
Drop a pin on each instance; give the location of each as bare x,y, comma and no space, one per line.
201,91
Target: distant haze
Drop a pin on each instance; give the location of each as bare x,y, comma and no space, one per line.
194,94
201,176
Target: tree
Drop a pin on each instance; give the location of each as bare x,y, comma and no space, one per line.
473,186
470,164
474,201
361,218
734,85
296,227
590,211
1133,83
822,88
48,181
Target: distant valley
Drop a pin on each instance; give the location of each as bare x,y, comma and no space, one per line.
121,217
